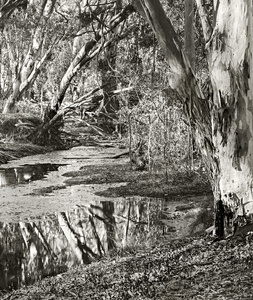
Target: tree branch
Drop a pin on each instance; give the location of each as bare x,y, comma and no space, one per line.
8,8
207,28
87,53
165,33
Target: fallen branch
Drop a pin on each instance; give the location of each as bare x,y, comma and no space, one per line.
118,155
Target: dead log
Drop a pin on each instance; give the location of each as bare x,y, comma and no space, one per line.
118,155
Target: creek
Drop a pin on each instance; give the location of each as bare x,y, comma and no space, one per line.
48,226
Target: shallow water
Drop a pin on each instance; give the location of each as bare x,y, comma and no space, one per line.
44,234
25,173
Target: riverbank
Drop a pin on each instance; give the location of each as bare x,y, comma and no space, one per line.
12,151
191,268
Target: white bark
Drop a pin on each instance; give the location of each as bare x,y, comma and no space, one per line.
24,72
87,52
230,61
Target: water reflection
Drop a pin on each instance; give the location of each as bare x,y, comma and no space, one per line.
31,251
25,173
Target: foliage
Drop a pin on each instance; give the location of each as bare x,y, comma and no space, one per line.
151,110
17,126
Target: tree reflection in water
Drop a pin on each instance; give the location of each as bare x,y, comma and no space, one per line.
25,173
31,251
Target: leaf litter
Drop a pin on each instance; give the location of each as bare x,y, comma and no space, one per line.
189,268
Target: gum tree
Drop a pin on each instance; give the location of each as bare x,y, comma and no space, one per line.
222,121
27,49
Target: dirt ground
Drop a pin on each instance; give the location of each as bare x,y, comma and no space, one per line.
142,183
11,151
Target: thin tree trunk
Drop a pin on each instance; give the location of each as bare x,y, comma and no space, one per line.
90,50
24,73
23,81
107,67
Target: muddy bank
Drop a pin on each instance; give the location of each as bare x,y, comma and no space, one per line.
11,151
181,262
142,183
95,173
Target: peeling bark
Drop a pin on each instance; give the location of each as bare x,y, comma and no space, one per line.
230,61
223,123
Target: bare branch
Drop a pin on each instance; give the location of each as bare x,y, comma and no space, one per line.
8,8
88,52
207,28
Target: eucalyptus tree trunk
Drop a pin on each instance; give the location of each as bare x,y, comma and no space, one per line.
24,78
191,55
107,66
87,52
181,76
229,44
223,123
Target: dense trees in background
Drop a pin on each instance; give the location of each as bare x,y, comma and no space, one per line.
25,50
97,57
136,66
